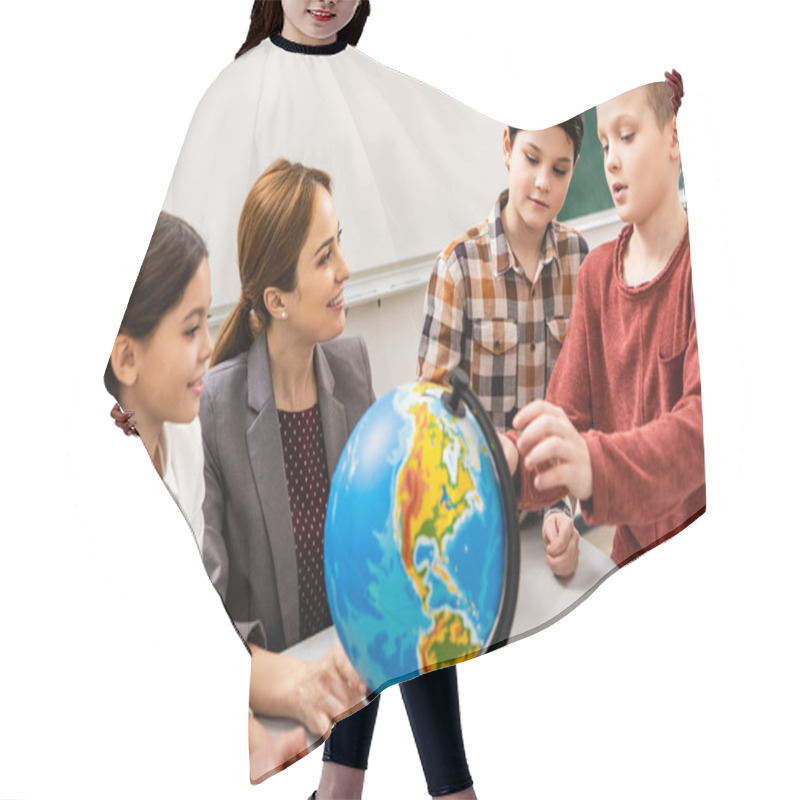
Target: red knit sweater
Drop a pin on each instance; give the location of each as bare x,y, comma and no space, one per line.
628,377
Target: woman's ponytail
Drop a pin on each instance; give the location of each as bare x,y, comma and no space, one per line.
235,335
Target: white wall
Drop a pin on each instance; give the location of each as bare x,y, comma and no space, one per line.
391,327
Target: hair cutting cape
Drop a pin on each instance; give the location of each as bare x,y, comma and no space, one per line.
412,170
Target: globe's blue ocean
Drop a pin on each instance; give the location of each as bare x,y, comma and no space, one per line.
376,607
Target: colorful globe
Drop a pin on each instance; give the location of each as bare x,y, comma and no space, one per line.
415,538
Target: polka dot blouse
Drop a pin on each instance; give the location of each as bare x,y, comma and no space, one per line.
308,482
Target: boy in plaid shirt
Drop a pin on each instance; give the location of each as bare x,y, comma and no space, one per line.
622,428
500,297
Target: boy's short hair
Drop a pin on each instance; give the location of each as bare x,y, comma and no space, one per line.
572,127
659,97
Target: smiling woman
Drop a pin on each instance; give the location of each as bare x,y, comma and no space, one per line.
283,382
283,395
315,306
287,231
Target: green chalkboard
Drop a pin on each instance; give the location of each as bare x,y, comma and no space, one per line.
588,191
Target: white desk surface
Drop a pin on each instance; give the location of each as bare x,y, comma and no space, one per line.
543,598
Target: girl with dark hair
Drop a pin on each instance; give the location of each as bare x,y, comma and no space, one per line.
159,358
284,392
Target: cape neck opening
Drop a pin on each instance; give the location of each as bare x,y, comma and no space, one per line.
308,49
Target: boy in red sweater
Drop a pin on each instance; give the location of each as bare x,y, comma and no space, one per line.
621,428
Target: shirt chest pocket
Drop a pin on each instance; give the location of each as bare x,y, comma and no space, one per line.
670,373
555,333
494,363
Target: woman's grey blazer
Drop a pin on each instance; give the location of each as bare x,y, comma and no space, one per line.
248,542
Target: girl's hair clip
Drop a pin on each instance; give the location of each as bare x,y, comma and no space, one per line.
124,420
675,82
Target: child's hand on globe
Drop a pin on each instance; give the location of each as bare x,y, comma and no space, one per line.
554,449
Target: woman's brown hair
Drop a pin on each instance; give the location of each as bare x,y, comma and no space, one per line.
171,261
266,19
273,228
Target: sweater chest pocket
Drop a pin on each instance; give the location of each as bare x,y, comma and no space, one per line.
670,375
555,333
494,363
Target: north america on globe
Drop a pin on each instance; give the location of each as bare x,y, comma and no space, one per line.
414,538
436,458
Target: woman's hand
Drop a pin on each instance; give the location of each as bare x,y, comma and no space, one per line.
316,693
327,688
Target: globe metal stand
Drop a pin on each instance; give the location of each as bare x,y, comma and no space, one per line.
460,395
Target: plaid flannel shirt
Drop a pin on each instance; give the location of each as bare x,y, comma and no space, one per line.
484,314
